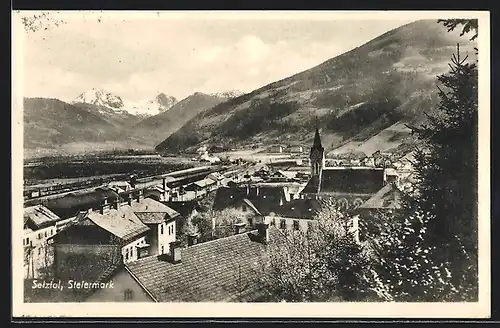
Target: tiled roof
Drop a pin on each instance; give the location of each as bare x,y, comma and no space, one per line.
385,198
152,217
122,223
151,205
216,271
40,216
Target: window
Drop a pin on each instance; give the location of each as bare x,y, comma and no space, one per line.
27,241
39,235
161,229
295,224
131,252
273,223
126,254
162,249
39,251
282,224
250,221
244,208
128,294
45,234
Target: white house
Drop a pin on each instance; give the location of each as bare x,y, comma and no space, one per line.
39,225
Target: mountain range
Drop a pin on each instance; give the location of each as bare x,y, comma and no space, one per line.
100,120
361,100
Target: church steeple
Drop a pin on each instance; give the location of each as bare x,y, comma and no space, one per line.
317,140
317,155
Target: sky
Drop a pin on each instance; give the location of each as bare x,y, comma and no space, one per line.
137,56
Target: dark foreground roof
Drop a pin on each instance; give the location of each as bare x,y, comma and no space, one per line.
222,270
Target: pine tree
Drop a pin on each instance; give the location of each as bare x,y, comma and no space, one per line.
446,169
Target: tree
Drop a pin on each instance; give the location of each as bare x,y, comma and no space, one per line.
218,224
468,25
432,254
325,263
406,268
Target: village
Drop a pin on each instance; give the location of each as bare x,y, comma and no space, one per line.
138,235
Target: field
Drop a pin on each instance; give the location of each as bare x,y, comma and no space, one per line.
57,170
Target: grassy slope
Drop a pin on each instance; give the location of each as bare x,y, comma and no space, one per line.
389,80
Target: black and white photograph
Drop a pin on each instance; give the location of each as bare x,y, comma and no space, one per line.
251,163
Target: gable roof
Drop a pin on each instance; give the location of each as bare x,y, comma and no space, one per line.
385,198
252,206
39,217
150,205
208,271
122,223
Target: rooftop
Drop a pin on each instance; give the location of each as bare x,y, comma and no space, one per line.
69,205
39,216
122,223
385,198
221,270
299,209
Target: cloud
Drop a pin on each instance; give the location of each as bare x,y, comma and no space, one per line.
137,58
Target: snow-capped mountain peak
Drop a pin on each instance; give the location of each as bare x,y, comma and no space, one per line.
228,94
100,97
154,106
145,107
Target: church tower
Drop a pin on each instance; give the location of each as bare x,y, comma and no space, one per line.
317,156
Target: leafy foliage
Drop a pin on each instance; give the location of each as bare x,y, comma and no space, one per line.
325,263
432,254
468,26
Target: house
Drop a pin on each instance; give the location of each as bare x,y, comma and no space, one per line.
119,186
295,149
204,185
265,198
276,149
282,176
385,201
117,233
223,270
39,225
158,193
391,176
369,162
300,214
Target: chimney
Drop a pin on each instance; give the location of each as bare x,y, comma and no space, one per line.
192,239
239,227
129,199
175,252
140,195
263,232
104,206
116,203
